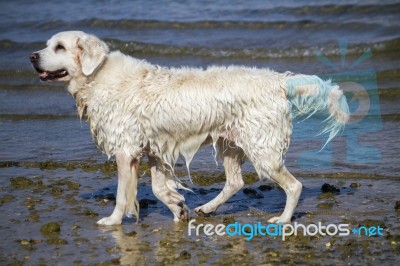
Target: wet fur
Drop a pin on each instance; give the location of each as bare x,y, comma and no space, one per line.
135,108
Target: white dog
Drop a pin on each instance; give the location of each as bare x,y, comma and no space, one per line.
135,108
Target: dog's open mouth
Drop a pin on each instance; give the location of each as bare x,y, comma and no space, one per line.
51,75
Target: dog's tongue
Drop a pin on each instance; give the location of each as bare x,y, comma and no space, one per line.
43,74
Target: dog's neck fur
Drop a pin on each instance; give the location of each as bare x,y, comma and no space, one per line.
79,89
97,94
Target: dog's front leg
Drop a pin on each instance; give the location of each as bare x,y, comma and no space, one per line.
164,187
126,191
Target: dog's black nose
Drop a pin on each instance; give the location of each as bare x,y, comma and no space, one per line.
34,57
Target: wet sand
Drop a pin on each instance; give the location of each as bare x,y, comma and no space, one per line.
49,215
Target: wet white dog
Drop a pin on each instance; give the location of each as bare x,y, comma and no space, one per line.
135,108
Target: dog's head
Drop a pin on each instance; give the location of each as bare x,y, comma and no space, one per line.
68,55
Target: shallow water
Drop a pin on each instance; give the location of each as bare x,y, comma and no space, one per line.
76,199
50,171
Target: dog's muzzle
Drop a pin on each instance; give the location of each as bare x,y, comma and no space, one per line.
43,74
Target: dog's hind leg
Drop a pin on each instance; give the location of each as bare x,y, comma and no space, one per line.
233,158
164,187
268,164
292,188
265,144
126,191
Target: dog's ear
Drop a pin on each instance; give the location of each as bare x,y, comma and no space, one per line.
93,53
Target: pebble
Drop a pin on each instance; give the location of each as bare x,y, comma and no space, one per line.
51,227
329,188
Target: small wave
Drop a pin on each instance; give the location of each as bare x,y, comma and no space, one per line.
138,24
18,117
22,87
328,10
386,93
4,73
233,17
385,117
389,93
256,53
215,24
349,175
11,45
389,74
141,48
295,19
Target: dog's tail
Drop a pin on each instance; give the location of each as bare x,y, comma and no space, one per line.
310,94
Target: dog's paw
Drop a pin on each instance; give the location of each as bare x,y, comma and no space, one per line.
278,219
182,215
109,221
199,211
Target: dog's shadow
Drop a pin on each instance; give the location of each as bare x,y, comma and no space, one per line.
260,196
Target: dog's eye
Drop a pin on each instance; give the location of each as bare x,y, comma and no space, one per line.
59,47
